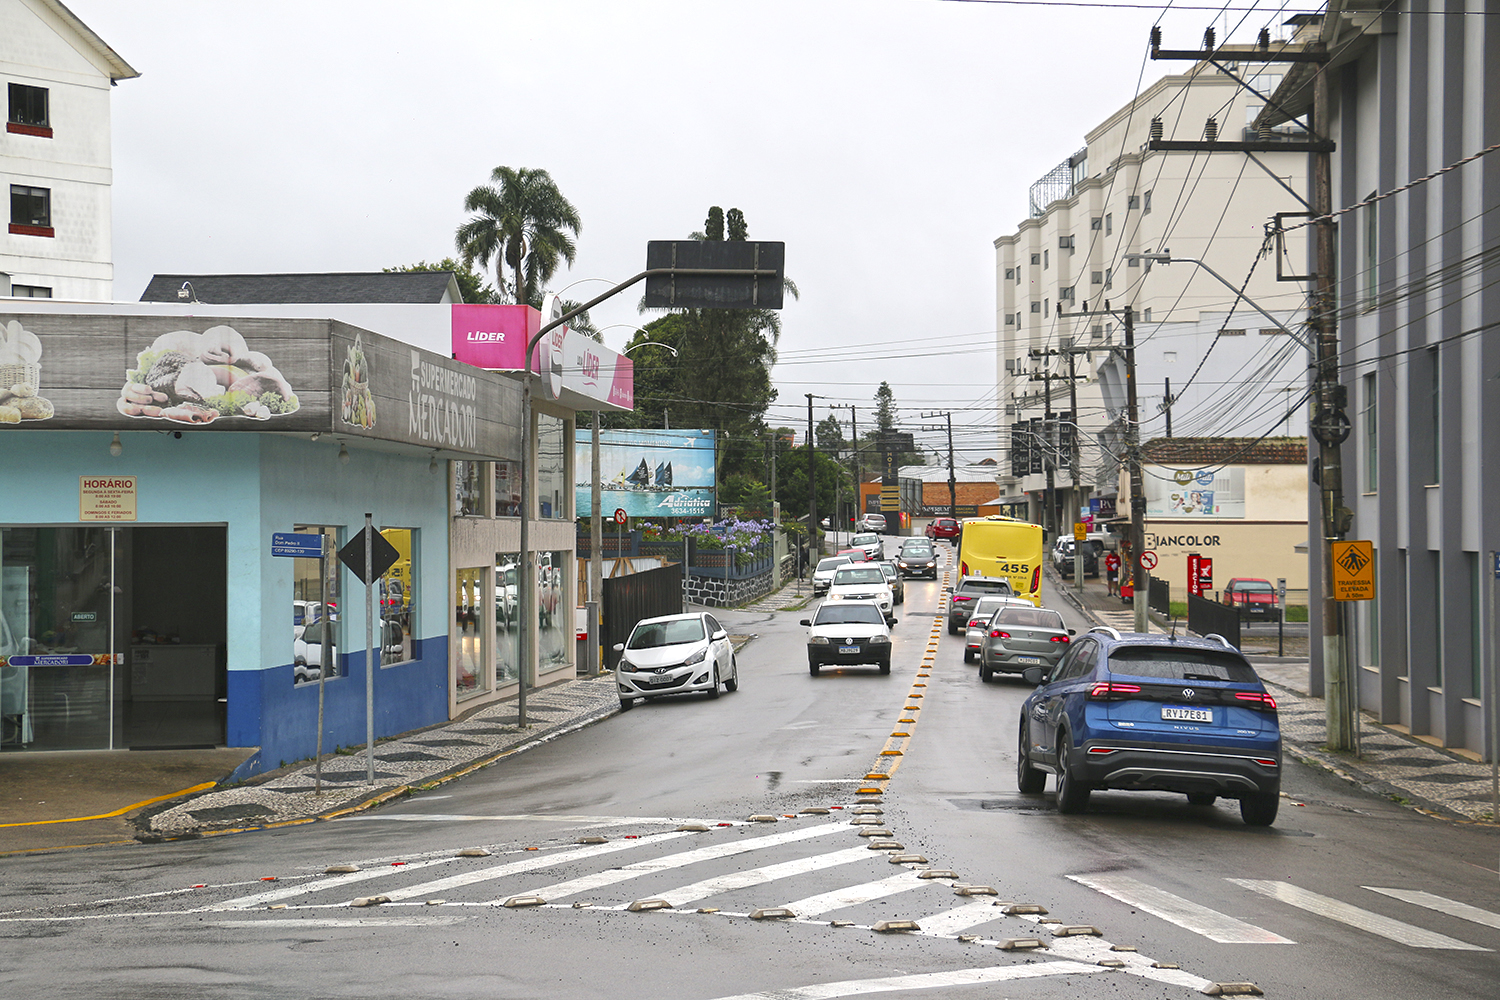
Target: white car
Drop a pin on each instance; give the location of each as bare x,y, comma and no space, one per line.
307,652
871,522
979,621
848,632
675,654
863,582
823,575
872,544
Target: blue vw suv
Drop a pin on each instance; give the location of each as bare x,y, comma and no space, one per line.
1152,712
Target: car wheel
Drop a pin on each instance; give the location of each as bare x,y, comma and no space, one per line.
985,673
968,655
1201,798
1260,809
812,668
713,692
885,666
1072,794
1028,779
952,629
733,684
626,704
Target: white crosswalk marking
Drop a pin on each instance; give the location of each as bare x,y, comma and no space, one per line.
921,981
1124,621
598,880
761,876
1345,913
853,895
1451,907
959,919
1188,915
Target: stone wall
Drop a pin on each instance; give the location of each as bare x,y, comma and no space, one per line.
716,592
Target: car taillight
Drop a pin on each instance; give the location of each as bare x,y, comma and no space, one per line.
1112,689
1036,579
976,623
1264,761
963,568
997,634
1261,699
962,597
1058,638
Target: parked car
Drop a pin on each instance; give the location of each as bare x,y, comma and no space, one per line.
1062,557
894,581
1254,599
1016,638
943,527
969,590
675,654
848,632
862,583
870,522
917,558
979,621
823,574
307,651
873,544
1154,713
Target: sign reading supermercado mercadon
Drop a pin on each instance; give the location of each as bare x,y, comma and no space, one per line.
213,373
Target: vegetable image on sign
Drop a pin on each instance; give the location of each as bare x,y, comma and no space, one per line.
196,378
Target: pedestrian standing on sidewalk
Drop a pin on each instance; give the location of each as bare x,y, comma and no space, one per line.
1112,572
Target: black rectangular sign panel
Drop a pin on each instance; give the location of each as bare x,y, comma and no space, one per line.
714,291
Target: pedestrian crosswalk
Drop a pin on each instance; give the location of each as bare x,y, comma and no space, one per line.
1124,621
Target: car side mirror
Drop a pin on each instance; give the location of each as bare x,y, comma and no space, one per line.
619,647
806,621
1034,675
721,634
1072,631
891,621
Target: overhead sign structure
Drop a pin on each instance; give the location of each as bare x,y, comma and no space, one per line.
895,441
292,545
1353,571
714,291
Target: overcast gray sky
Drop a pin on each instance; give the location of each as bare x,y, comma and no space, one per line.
887,142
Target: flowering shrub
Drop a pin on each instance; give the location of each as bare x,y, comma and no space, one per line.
745,538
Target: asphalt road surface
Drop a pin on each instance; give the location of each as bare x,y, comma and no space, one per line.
1346,896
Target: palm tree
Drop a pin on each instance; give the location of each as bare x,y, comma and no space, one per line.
522,221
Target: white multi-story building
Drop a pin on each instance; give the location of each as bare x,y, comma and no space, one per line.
1228,369
55,153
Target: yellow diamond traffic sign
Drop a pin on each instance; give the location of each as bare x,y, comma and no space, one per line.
1353,571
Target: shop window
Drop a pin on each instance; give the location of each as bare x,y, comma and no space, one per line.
507,489
551,468
554,609
315,609
28,113
468,489
398,599
507,618
469,676
30,210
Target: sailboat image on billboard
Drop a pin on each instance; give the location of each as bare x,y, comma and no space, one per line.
661,473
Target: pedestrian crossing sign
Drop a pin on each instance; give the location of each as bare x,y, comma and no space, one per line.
1353,571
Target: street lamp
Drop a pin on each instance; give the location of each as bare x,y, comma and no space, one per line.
1167,258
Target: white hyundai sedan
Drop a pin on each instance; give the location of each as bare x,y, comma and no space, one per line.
675,654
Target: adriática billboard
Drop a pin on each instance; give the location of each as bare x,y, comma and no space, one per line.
648,473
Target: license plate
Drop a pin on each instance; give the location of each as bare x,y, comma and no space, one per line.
848,649
1175,714
1028,659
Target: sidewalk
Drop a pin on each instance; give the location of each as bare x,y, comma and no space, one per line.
1392,764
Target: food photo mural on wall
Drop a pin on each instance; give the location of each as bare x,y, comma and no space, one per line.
196,378
358,405
21,376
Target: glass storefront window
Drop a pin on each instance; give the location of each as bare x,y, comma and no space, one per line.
507,636
468,587
553,609
468,489
551,467
507,489
398,593
315,609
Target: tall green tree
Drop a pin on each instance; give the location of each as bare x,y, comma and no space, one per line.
519,220
885,407
830,435
471,284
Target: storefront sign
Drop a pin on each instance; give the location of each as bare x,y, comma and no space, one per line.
58,660
581,370
106,498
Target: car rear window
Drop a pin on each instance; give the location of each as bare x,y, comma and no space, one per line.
1254,586
833,562
839,613
864,539
1179,664
985,587
666,633
1030,618
858,574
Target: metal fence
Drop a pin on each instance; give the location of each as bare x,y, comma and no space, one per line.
1159,597
1206,617
628,599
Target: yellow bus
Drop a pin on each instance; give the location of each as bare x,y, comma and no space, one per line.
1004,547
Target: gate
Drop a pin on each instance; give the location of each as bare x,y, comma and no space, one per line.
1205,617
628,599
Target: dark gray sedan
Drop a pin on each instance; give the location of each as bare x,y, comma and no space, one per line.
1018,638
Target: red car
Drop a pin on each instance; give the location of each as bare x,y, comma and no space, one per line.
943,527
1255,599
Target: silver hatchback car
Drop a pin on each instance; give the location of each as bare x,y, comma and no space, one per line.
1021,637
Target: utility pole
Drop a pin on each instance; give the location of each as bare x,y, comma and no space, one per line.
1167,405
952,481
1049,517
813,554
858,468
1075,460
1329,424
